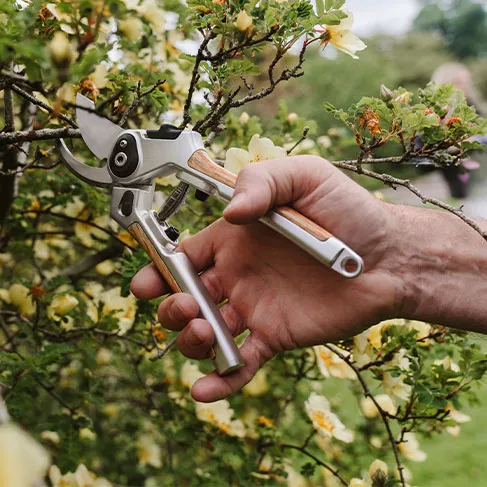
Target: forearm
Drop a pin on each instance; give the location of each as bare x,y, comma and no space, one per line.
443,262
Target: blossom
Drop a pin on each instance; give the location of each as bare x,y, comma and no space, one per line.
60,48
82,477
342,37
20,296
448,364
51,436
23,461
260,149
244,21
148,451
122,309
61,305
385,402
410,448
368,342
132,28
190,373
458,417
103,356
87,434
423,329
330,364
87,231
258,385
324,421
220,414
105,268
244,118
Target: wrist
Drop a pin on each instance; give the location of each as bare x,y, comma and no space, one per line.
442,263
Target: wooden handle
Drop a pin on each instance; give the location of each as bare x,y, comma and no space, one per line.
200,161
138,233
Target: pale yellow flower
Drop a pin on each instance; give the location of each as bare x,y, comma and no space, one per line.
151,12
357,483
23,461
149,452
87,434
190,373
67,93
244,21
258,385
20,297
342,37
330,364
260,149
51,436
5,295
170,180
132,28
124,308
423,329
105,268
410,448
324,421
324,141
60,48
61,305
82,477
369,409
367,343
111,410
295,479
99,76
103,356
448,364
220,414
458,417
87,232
244,118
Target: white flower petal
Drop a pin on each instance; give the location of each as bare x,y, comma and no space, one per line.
236,159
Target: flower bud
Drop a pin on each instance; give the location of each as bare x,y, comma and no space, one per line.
244,21
244,118
403,98
292,117
131,28
385,93
378,473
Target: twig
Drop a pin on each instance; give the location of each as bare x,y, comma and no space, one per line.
406,183
303,137
138,100
316,460
194,79
162,351
42,134
43,105
9,110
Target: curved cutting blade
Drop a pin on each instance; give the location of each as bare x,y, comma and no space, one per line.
98,133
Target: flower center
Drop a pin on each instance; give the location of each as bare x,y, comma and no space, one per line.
322,421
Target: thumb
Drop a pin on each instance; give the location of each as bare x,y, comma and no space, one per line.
261,186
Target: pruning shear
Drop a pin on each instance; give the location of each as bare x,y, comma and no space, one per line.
134,158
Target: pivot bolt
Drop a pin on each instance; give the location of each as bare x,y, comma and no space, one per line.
172,233
123,143
120,159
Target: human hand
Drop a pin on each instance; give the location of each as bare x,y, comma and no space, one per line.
283,296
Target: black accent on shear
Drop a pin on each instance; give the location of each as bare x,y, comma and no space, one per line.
166,131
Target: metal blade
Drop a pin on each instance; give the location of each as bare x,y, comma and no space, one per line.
98,133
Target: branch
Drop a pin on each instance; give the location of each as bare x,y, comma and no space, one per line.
43,105
92,260
195,76
406,183
316,460
42,134
382,413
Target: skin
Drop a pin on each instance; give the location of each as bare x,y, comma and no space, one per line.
287,300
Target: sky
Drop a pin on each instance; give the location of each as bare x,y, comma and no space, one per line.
382,16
